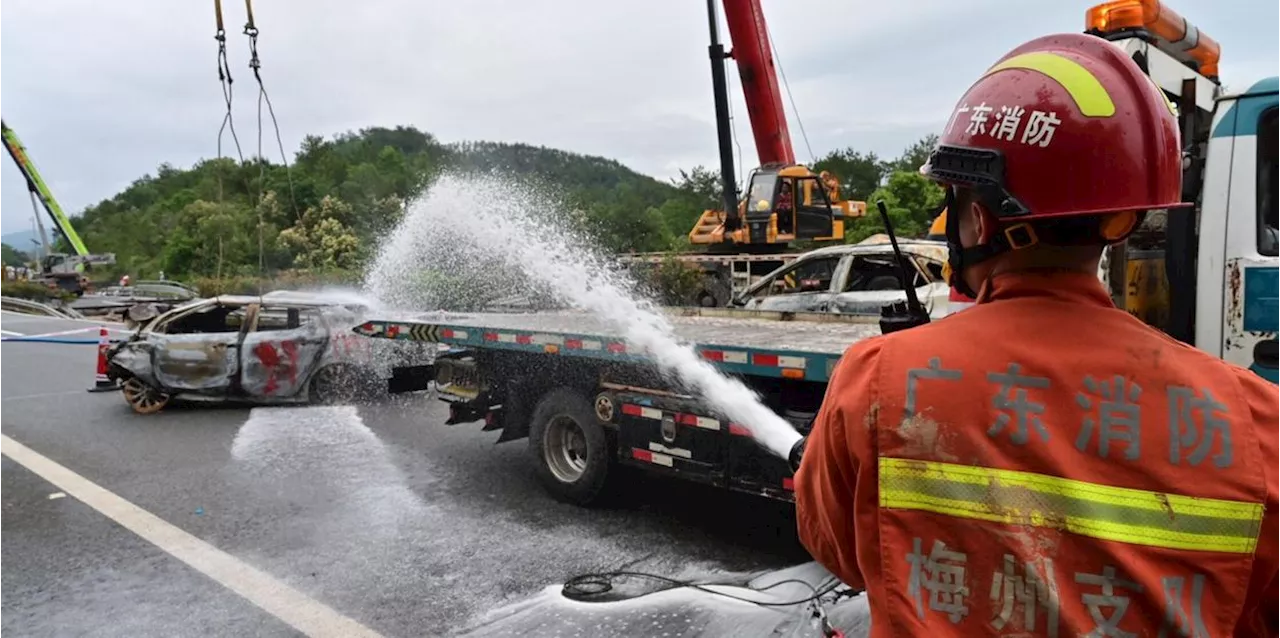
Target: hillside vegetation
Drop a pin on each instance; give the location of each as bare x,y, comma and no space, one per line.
11,256
323,215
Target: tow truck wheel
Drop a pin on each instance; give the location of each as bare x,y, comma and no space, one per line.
143,398
572,452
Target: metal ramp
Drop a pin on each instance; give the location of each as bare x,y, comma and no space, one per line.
709,229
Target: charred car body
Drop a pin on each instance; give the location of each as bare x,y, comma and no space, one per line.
273,349
857,279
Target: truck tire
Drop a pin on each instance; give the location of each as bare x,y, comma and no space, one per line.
572,453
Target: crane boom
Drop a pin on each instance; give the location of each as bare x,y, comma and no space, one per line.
783,201
36,184
756,68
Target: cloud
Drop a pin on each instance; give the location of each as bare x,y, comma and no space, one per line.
102,93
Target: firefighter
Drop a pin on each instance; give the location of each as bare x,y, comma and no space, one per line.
1043,463
786,208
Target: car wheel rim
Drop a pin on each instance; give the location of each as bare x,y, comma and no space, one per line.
565,449
143,398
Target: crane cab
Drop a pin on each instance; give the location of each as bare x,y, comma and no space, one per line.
782,204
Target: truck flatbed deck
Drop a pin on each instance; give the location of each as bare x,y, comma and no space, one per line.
774,344
587,398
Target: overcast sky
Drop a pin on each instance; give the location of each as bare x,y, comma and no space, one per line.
103,92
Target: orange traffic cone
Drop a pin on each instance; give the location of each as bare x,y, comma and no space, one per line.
100,382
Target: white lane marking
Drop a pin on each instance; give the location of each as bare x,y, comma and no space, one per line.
12,333
305,614
43,395
57,495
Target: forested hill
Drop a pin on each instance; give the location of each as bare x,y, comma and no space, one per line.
345,191
223,218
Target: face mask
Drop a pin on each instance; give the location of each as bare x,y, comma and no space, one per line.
1012,237
982,172
956,250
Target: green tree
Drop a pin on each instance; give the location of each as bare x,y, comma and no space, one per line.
11,256
212,239
320,241
676,283
910,199
702,187
697,190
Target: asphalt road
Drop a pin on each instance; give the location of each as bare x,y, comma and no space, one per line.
381,513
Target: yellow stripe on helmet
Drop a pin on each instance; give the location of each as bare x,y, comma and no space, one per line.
1088,93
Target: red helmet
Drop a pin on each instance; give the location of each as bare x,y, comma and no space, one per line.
1063,125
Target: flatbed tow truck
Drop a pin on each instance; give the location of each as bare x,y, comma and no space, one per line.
587,401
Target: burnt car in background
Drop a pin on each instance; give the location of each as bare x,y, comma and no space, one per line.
138,302
276,349
853,279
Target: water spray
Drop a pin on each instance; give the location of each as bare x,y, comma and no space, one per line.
449,249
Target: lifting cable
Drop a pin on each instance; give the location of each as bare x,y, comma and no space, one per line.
733,128
224,78
783,73
251,30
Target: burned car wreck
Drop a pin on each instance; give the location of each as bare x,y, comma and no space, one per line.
275,349
857,278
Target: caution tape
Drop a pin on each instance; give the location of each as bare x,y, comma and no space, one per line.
62,337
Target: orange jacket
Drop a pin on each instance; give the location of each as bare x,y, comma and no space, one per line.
1044,464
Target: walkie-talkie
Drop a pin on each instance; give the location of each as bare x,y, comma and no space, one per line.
900,315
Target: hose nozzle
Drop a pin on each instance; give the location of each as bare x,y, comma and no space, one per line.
797,451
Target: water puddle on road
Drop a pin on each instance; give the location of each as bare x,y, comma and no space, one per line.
648,608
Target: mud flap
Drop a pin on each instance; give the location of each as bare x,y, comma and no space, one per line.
410,378
667,436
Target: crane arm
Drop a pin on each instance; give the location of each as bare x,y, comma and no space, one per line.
34,182
756,68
